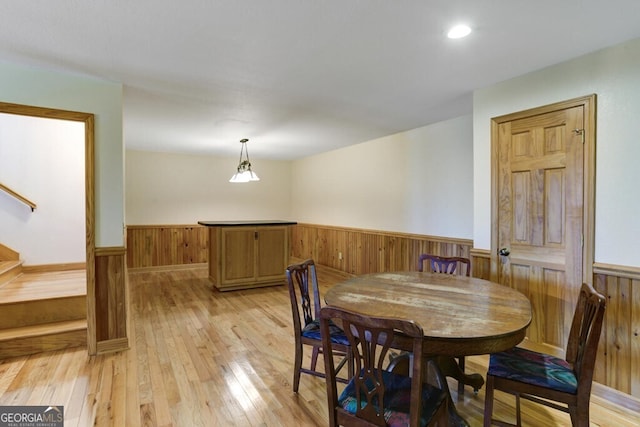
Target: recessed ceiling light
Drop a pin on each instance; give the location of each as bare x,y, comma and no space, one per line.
459,31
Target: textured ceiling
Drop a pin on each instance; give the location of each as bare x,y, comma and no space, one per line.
298,77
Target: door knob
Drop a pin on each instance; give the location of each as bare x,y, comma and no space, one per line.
504,252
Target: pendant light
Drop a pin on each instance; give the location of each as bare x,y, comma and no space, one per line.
244,173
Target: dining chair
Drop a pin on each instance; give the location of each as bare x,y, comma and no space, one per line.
376,396
449,265
563,384
305,307
440,264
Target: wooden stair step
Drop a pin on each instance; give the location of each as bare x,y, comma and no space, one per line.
41,298
39,330
42,312
9,270
37,286
8,265
8,254
27,340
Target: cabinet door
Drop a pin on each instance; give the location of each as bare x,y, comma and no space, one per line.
238,249
272,255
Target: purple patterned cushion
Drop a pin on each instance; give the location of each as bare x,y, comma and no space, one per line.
397,400
535,368
312,330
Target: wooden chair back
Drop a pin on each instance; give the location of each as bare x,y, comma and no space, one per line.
584,336
448,265
370,340
303,293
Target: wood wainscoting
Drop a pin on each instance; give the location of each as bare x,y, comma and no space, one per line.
359,251
618,362
150,246
481,263
111,300
363,251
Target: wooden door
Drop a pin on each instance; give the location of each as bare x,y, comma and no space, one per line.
540,211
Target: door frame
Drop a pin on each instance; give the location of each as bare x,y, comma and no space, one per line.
588,211
89,189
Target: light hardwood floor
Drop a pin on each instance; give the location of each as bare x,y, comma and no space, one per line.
205,358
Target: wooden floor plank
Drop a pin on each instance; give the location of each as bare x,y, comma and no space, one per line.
200,357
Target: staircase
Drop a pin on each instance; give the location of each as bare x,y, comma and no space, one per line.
40,311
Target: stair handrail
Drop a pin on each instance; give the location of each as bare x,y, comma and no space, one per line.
18,196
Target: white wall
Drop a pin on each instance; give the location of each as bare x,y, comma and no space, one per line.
166,188
420,181
44,88
614,75
43,160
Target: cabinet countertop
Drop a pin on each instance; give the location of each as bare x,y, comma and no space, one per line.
245,223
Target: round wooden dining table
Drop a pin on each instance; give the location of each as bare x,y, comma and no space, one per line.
460,315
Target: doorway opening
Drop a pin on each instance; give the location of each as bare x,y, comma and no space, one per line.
88,121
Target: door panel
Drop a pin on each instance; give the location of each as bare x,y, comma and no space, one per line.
540,215
554,207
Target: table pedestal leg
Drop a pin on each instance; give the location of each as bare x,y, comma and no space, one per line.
436,377
401,364
450,368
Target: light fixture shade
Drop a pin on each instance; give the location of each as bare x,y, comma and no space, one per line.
238,177
244,172
244,176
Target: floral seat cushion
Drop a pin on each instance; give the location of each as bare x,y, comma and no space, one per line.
535,368
312,330
397,400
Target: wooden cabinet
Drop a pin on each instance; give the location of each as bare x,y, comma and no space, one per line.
248,254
